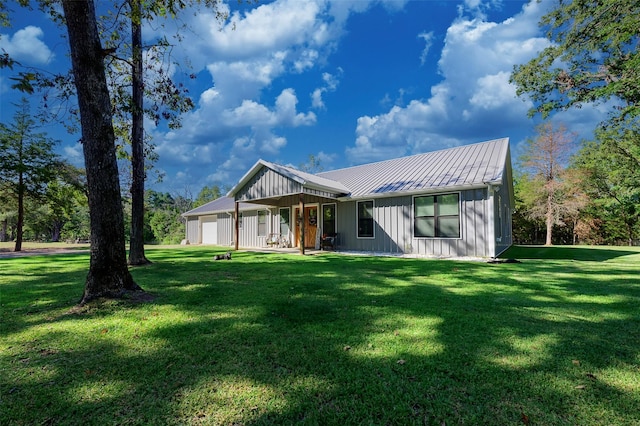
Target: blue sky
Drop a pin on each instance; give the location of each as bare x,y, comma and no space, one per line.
349,82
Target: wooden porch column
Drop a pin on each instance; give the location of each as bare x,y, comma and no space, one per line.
236,228
301,223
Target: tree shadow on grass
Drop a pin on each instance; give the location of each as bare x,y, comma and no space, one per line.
578,253
272,339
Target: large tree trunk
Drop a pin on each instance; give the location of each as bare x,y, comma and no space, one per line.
136,245
56,230
549,219
3,230
108,273
20,224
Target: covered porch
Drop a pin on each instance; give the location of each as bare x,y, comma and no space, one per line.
304,204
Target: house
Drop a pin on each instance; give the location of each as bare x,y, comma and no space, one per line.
450,203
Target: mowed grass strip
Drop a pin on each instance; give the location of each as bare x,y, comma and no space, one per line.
326,339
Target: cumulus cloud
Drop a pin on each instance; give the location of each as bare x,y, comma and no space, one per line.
234,120
476,62
331,82
26,46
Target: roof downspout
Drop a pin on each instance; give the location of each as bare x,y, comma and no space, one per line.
491,223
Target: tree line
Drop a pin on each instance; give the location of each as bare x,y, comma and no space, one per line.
44,198
579,193
566,191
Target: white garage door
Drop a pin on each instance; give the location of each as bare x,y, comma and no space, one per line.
209,231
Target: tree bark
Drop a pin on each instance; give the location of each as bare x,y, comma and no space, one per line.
20,224
136,244
3,230
549,218
108,273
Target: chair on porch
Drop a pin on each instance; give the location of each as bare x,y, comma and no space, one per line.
329,241
274,240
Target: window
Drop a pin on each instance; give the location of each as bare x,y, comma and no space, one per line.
437,216
365,219
262,223
329,219
285,222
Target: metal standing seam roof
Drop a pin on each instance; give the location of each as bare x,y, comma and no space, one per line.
465,166
221,205
472,165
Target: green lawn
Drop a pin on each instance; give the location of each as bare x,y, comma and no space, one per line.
326,339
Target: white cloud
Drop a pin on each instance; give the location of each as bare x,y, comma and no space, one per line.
234,119
474,101
331,83
493,91
428,42
26,46
74,154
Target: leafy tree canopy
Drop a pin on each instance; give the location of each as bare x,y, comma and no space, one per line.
207,193
593,57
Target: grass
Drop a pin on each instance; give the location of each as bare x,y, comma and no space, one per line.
326,339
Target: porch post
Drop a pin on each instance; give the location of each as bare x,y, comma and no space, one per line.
236,228
301,221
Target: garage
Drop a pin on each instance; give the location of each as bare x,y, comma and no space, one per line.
209,230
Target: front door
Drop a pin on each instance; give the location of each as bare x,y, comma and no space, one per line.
310,226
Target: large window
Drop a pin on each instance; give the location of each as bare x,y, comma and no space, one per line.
262,223
329,219
365,219
437,216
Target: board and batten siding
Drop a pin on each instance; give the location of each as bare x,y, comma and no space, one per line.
225,229
502,220
266,184
393,228
193,230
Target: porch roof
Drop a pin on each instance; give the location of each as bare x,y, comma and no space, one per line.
303,182
221,205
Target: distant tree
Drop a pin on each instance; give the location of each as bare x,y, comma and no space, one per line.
27,162
65,195
592,57
545,158
313,165
8,212
574,201
611,166
527,229
165,216
108,272
206,194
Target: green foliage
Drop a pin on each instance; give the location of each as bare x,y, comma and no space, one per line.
326,340
611,168
27,159
527,229
33,176
592,57
206,194
166,226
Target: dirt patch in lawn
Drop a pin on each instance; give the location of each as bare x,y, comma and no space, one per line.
8,253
